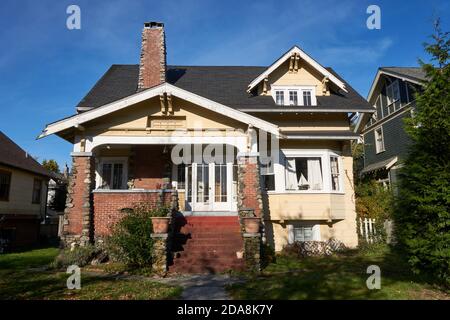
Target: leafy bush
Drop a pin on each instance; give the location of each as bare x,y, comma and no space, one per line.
80,256
373,201
130,241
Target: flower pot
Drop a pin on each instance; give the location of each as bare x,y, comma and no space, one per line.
160,224
251,224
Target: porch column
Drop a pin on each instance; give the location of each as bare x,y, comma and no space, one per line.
249,185
77,224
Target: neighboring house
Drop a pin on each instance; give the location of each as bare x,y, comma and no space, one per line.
51,227
136,117
392,95
23,194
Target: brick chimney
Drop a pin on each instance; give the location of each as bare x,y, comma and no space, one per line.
152,67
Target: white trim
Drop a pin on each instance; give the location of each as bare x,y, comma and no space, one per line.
153,92
299,136
316,236
324,155
299,90
113,160
397,113
303,56
381,72
240,142
377,150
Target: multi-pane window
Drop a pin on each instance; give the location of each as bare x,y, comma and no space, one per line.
293,99
304,173
379,141
307,98
393,92
279,97
113,175
295,96
334,166
303,233
37,191
5,183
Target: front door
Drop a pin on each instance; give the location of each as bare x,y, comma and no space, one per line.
211,187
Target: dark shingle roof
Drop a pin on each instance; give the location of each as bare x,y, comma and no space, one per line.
410,72
224,84
12,155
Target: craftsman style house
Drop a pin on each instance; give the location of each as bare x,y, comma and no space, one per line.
278,138
392,96
23,194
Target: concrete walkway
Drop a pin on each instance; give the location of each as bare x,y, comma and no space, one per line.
202,286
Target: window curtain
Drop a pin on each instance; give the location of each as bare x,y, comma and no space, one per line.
314,174
291,174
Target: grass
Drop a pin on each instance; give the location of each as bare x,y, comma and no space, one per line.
26,276
340,276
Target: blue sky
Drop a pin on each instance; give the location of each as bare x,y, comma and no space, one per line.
45,69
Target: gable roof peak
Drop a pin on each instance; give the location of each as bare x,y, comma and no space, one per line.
305,57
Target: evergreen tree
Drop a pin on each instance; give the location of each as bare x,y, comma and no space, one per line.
422,215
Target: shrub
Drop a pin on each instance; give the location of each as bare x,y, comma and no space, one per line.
422,219
373,201
130,241
80,256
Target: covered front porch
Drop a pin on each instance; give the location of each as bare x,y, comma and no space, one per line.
204,184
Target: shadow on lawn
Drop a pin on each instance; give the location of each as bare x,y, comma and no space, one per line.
336,277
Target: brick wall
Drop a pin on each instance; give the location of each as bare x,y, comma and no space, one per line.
149,167
107,206
152,68
249,194
77,215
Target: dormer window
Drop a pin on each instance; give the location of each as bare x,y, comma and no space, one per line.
293,101
279,97
307,98
294,95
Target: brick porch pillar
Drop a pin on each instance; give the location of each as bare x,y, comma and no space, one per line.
77,224
249,184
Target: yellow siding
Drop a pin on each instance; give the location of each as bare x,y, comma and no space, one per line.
134,120
288,208
20,194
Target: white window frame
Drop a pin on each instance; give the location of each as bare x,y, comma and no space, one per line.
390,97
112,160
325,155
375,133
315,230
299,90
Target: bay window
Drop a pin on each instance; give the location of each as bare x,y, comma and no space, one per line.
312,171
304,173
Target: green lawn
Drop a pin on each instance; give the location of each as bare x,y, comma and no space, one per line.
337,277
23,276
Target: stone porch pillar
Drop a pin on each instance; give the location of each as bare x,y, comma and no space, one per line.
160,252
78,215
